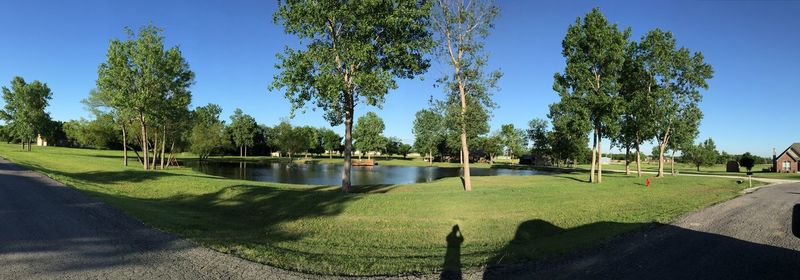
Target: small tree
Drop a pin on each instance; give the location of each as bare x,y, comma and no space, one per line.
747,160
331,141
404,149
292,140
428,132
24,109
703,154
208,131
243,130
368,133
513,140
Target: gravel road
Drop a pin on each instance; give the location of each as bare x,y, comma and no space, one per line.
50,231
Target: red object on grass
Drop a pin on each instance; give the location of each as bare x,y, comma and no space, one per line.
647,182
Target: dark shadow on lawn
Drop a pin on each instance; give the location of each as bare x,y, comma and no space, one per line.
451,268
111,177
657,252
64,230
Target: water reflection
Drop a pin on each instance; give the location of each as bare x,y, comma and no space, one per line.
330,174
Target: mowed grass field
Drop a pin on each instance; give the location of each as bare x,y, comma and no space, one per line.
382,230
717,169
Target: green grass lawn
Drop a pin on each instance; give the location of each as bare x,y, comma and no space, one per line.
379,230
717,169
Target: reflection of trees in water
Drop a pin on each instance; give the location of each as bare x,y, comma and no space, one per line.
329,174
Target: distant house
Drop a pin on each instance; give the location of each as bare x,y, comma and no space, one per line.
40,141
788,161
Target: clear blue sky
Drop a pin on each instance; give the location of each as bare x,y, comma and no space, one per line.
231,45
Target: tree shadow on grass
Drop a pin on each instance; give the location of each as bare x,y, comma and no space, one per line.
63,230
541,250
111,177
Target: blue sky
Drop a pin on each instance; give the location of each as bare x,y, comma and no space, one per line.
751,104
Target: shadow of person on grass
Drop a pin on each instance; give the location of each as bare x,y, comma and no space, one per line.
451,269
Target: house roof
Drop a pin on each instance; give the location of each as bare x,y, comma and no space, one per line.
793,151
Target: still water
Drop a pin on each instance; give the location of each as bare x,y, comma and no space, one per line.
331,174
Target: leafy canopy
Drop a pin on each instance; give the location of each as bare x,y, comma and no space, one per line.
350,48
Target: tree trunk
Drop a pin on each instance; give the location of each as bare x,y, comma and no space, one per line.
144,140
594,155
124,146
464,147
430,158
599,157
138,157
171,153
163,146
627,160
155,149
661,160
245,151
348,141
638,161
672,163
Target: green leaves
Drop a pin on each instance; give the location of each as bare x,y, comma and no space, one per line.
353,48
428,130
368,133
24,109
243,129
703,154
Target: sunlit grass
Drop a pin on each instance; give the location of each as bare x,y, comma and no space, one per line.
384,229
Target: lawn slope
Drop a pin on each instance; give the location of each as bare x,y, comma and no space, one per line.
379,230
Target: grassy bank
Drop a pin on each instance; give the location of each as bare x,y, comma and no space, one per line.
384,229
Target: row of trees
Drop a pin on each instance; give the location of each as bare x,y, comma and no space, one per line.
144,87
627,91
435,135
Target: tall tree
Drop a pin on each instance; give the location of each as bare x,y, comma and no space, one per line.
368,133
243,130
461,26
150,83
428,132
595,51
24,110
679,74
513,140
352,52
637,103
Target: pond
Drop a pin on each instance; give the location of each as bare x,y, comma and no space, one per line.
331,174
